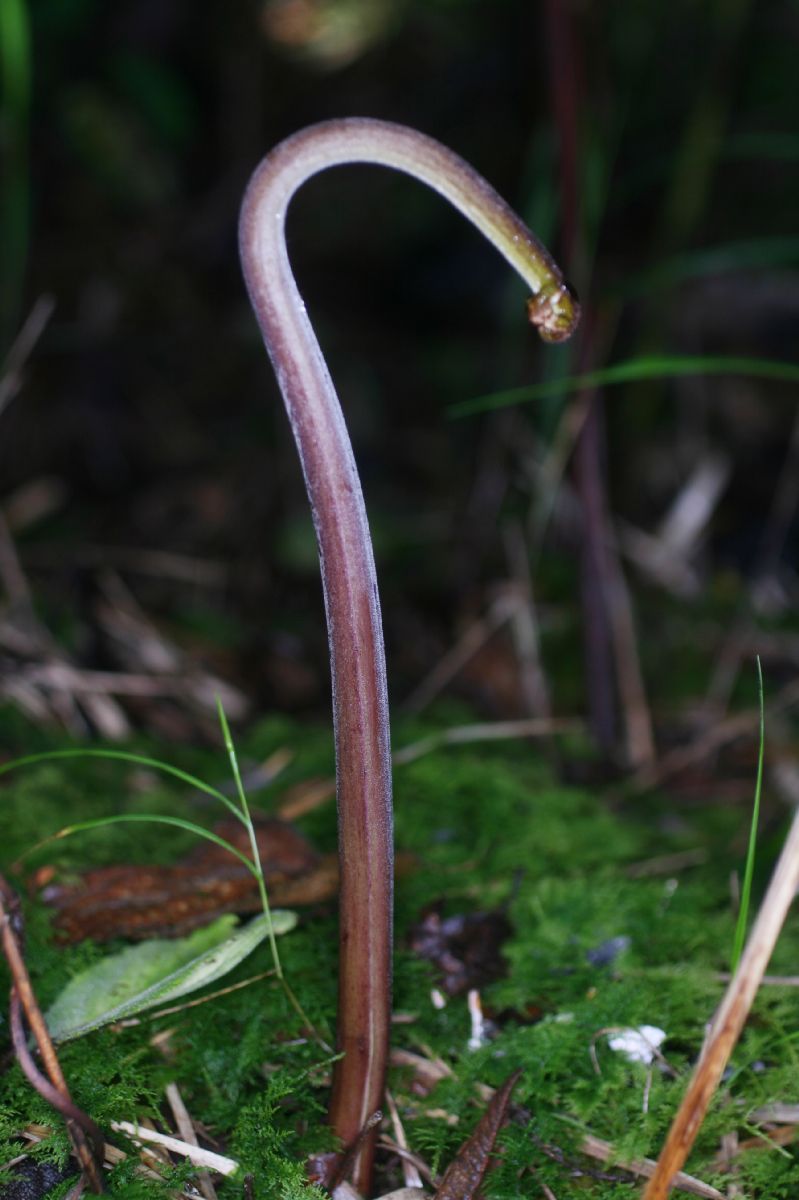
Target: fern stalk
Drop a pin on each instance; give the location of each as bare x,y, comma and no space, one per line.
360,702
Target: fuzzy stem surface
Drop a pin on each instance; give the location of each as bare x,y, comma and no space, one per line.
360,703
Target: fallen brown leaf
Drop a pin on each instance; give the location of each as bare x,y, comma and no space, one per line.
462,1178
464,947
135,901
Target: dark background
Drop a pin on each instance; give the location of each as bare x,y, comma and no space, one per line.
148,418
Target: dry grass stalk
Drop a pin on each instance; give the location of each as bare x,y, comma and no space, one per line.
186,1129
605,1152
730,1017
196,1154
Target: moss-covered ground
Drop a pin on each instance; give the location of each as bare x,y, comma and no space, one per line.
487,826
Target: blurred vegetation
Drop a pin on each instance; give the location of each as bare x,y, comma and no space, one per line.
147,422
128,133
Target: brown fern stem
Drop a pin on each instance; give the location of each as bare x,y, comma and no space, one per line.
360,706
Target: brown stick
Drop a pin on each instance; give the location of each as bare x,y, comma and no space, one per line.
729,1019
88,1153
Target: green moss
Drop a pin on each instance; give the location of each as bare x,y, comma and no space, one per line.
486,826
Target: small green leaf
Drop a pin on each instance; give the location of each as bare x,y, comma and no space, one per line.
156,972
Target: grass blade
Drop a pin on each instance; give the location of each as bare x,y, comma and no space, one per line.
245,816
633,370
139,760
154,818
746,889
259,875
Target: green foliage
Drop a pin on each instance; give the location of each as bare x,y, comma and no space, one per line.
487,826
155,973
269,1148
15,102
633,371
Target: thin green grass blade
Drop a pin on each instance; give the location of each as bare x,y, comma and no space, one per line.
259,875
634,370
746,889
234,765
153,818
125,756
245,812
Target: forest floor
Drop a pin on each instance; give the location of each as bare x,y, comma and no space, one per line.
571,913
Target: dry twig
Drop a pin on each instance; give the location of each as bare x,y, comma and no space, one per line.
186,1129
605,1152
713,739
86,1138
12,377
729,1019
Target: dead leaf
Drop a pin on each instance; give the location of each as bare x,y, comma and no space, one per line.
136,902
465,947
462,1178
132,901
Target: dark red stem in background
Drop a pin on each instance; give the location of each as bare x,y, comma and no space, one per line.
566,89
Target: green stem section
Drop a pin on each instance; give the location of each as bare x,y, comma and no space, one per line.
360,702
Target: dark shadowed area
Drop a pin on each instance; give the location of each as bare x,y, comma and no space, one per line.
582,549
148,439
